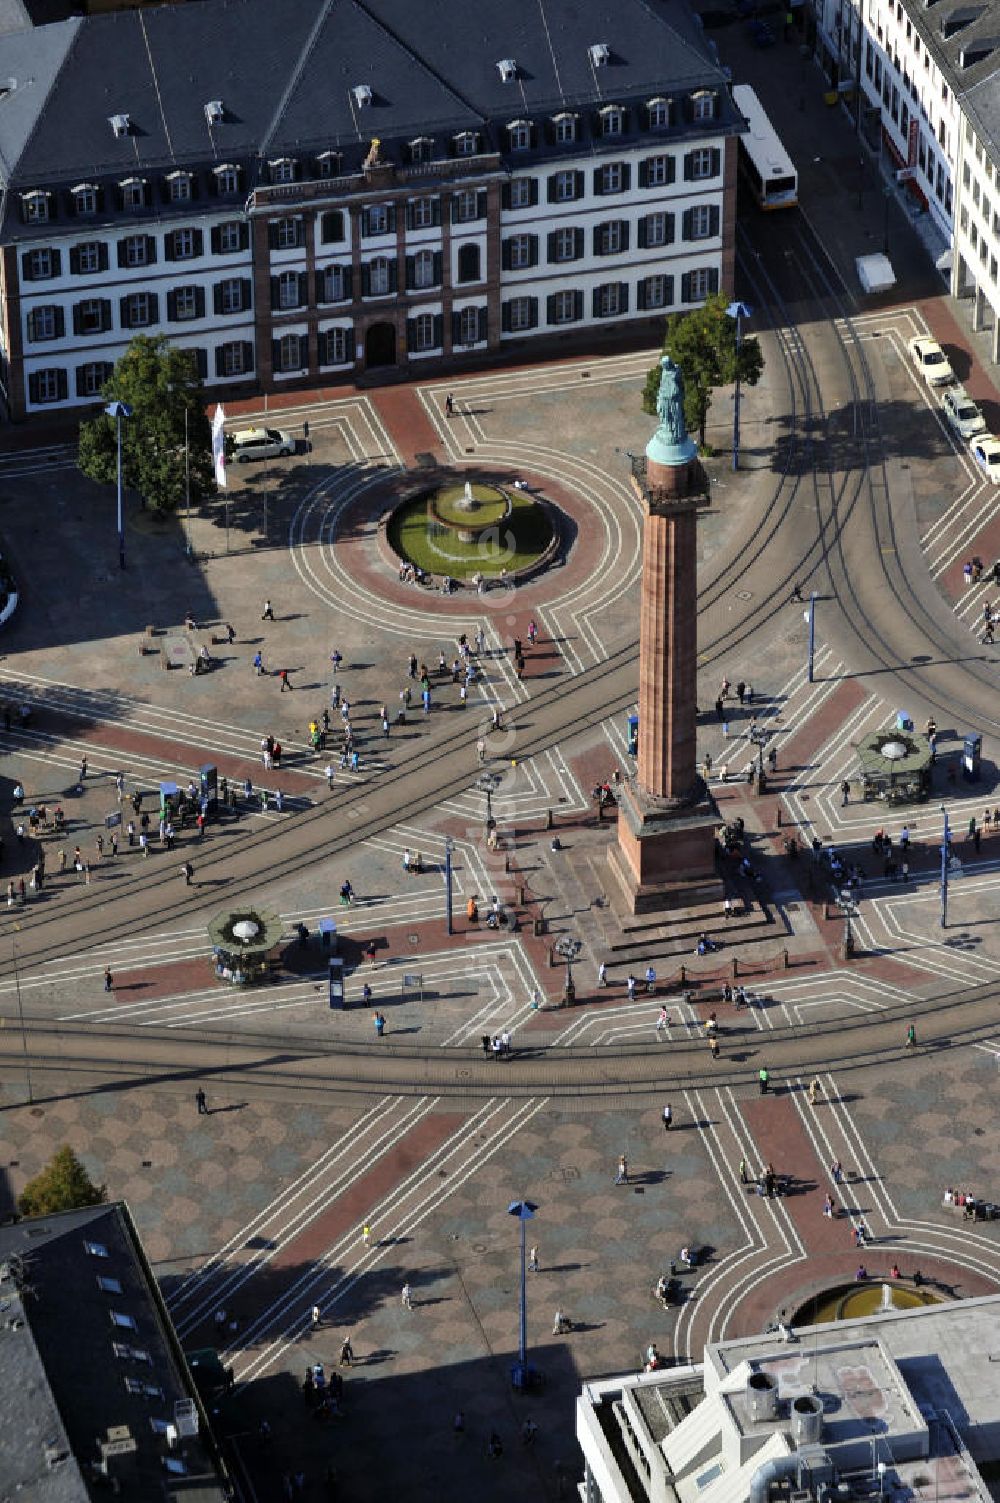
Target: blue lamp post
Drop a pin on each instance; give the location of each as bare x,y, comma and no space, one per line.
945,856
449,846
119,411
522,1374
739,311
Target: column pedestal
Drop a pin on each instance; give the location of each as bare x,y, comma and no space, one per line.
665,853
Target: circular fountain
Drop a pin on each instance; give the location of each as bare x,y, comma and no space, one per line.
852,1301
466,527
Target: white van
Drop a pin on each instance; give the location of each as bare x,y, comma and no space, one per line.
261,443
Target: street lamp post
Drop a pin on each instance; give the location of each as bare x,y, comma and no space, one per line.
187,485
20,1013
488,783
568,949
739,311
119,411
885,228
522,1374
811,618
449,846
945,843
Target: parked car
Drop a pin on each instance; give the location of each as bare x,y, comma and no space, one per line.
986,453
962,413
931,361
261,443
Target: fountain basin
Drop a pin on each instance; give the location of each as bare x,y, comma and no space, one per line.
468,510
852,1301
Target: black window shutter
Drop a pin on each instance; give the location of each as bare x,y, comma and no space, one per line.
550,309
347,280
275,293
150,250
74,259
33,388
578,241
505,255
713,219
102,256
532,313
319,293
438,268
550,249
596,302
272,235
551,188
670,229
533,192
626,170
713,280
27,275
622,297
60,323
641,234
216,239
597,240
688,166
644,173
77,321
577,304
202,358
217,304
411,332
456,328
410,272
505,317
716,161
105,314
532,250
686,287
171,305
640,296
393,276
244,236
122,253
31,327
62,386
154,308
199,242
686,224
625,234
409,217
199,302
168,247
56,270
246,294
454,210
275,354
481,204
247,348
598,180
303,289
219,362
435,211
123,314
671,169
438,331
391,218
505,195
483,330
366,280
581,185
81,390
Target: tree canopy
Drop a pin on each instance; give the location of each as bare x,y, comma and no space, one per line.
703,344
159,383
63,1185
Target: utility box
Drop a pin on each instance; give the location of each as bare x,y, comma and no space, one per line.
209,781
972,751
336,983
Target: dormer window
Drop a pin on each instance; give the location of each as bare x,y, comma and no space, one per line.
507,68
330,163
215,112
362,95
282,170
703,105
179,187
84,198
599,54
565,128
35,206
227,178
120,125
612,120
133,191
519,135
659,113
467,143
421,150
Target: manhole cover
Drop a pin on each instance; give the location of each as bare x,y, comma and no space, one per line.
744,594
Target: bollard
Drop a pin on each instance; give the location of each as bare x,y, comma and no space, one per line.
549,822
553,961
683,975
734,963
521,897
777,818
784,960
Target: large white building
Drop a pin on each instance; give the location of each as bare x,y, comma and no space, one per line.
898,1407
317,190
925,78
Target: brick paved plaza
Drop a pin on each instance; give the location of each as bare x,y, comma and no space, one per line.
258,1208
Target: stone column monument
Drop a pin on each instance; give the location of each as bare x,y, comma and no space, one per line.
665,856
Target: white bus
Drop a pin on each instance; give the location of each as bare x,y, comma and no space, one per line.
766,164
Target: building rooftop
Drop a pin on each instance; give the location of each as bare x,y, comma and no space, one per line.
95,1387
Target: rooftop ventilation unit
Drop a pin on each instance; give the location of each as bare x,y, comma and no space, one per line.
507,68
973,52
186,1418
762,1396
215,112
600,54
362,95
807,1419
120,124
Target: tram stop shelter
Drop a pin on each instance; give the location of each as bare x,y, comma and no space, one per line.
245,944
895,766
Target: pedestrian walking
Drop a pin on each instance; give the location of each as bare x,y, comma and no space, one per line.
829,1207
144,843
366,1235
187,872
663,1018
406,1297
481,749
713,1044
201,1102
346,1352
845,793
796,592
379,1022
286,682
267,614
744,1172
814,1090
630,985
449,405
650,981
120,785
258,663
533,1259
667,1117
621,1178
109,980
602,973
911,1037
763,1080
114,844
315,1317
837,1171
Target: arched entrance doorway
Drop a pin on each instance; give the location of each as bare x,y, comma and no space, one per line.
380,345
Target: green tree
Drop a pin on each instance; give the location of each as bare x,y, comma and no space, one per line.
703,344
63,1185
159,383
